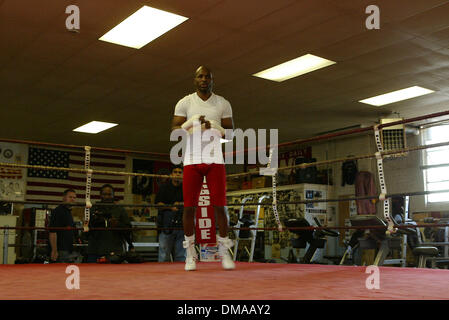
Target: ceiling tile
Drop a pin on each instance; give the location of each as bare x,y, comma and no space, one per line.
395,53
441,36
99,16
226,13
393,11
60,81
137,67
29,101
427,22
22,72
336,71
218,53
188,9
185,38
293,18
415,65
91,90
363,43
31,14
323,34
14,42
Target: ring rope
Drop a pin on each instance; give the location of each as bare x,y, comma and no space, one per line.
412,226
348,132
375,197
304,165
88,188
366,156
273,176
71,146
382,183
80,170
302,141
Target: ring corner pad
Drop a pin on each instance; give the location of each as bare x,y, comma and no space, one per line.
267,171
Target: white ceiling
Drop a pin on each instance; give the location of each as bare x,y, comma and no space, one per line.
53,80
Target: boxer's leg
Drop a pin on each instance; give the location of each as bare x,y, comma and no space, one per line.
191,185
216,181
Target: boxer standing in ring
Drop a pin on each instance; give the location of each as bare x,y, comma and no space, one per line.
203,110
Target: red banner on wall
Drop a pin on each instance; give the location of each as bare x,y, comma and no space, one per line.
293,154
205,218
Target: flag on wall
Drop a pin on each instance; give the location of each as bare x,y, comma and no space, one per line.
48,185
162,168
144,185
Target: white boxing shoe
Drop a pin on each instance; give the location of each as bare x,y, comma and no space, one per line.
224,244
191,255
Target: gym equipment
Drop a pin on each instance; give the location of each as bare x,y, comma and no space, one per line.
314,239
437,237
246,222
376,238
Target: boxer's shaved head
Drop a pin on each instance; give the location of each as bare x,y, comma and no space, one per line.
205,69
203,80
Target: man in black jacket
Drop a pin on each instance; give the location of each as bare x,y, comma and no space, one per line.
108,245
170,241
61,241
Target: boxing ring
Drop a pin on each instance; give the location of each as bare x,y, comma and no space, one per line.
250,280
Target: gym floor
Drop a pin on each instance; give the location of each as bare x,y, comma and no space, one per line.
249,281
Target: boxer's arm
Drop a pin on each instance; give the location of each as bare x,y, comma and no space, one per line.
180,122
227,123
177,122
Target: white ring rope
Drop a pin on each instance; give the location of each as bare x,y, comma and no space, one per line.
88,188
383,186
274,173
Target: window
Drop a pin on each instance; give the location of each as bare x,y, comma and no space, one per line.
436,163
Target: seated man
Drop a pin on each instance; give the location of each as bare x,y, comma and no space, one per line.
107,244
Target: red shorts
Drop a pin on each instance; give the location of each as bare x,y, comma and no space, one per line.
193,176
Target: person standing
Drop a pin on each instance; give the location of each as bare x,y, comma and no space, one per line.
61,241
108,244
171,241
210,113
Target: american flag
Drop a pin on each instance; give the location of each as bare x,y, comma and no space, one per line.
48,185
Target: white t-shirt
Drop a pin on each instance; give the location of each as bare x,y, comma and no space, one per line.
215,108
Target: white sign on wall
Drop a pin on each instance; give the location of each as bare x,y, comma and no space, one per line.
12,180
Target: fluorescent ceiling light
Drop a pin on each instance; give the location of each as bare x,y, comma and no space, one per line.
294,68
396,96
143,26
95,127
